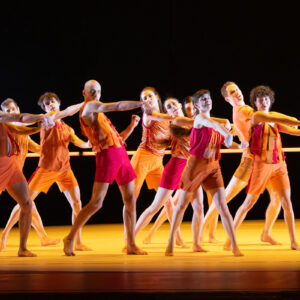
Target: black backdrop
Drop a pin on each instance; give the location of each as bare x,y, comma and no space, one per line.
177,47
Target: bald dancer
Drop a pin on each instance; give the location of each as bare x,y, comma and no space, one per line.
112,163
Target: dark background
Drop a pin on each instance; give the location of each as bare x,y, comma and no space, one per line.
176,46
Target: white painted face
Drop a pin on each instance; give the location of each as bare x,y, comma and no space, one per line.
263,103
234,95
189,109
92,91
204,103
51,104
12,108
173,107
151,98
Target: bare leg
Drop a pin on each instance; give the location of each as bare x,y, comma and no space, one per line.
162,195
233,188
20,193
127,191
177,219
73,197
241,214
285,196
198,216
218,196
162,217
271,216
96,202
212,226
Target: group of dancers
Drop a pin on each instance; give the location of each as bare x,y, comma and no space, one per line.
195,139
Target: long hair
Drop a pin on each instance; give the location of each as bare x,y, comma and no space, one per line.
152,89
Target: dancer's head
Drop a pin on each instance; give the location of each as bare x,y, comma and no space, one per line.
188,106
232,94
173,107
151,95
10,106
92,90
202,101
49,102
262,97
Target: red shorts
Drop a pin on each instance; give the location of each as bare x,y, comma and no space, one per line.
113,164
172,173
10,173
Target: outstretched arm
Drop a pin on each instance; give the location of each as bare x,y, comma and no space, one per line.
273,117
135,119
23,118
156,116
69,111
33,146
183,121
288,130
22,130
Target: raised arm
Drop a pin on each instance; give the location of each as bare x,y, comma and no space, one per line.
272,117
127,132
78,141
23,118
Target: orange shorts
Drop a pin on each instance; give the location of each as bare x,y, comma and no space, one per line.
263,174
147,166
42,179
10,172
200,171
244,169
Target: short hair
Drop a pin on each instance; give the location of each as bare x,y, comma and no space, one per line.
47,96
261,91
152,89
7,101
198,94
225,86
187,99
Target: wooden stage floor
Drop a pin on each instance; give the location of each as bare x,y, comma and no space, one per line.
265,270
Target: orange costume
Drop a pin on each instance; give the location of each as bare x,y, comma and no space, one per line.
54,163
10,173
112,161
268,165
242,123
147,162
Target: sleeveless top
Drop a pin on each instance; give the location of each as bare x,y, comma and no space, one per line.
8,145
266,143
206,143
102,134
180,146
152,135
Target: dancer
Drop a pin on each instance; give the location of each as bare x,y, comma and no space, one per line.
171,174
11,176
112,163
20,133
54,166
242,114
269,164
203,167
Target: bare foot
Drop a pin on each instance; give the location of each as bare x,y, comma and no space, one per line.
124,250
198,248
3,240
68,247
135,250
169,250
181,243
25,253
294,246
47,241
213,240
227,245
237,252
147,240
268,239
82,247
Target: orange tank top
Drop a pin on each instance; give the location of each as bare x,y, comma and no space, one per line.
152,135
102,134
8,145
180,146
54,147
